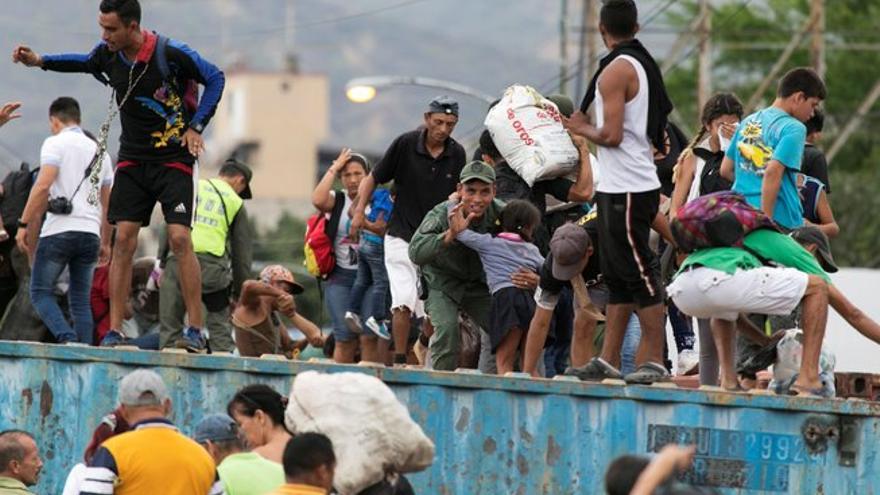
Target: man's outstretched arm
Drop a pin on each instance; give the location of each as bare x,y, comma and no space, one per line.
66,62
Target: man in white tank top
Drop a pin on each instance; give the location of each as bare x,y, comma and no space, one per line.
630,105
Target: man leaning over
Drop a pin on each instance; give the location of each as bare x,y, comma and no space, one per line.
454,274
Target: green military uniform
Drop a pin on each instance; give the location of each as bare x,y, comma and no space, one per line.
11,486
221,236
454,274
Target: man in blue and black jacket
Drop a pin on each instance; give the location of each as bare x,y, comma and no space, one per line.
155,80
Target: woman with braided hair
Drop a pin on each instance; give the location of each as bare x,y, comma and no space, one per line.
697,170
696,174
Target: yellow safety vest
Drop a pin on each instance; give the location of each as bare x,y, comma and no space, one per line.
211,225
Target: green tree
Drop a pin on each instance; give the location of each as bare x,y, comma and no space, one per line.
739,68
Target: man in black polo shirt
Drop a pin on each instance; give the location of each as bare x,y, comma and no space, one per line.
155,80
424,165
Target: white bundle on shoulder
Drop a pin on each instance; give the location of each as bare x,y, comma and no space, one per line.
527,130
371,431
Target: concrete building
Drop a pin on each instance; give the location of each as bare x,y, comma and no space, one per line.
274,122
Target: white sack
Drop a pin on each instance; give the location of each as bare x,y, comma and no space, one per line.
527,130
371,431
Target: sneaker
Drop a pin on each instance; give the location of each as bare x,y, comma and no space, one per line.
688,362
353,322
378,328
193,340
595,371
112,339
646,374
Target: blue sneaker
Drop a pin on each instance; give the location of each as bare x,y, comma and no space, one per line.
378,328
113,339
193,340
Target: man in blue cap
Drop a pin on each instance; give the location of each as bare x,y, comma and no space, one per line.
241,472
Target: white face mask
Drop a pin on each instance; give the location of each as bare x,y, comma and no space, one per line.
723,141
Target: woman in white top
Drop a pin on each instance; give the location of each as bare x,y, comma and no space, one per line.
721,114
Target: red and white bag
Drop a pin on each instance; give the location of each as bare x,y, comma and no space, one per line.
527,130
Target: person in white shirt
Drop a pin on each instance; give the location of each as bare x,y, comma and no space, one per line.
73,186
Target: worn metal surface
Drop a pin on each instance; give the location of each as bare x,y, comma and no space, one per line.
494,435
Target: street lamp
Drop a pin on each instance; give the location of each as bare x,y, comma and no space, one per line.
363,89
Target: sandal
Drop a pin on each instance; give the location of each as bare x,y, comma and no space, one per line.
595,371
647,373
799,391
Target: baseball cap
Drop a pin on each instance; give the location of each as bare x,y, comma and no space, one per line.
278,273
569,247
477,170
812,235
443,104
216,428
246,172
563,104
142,387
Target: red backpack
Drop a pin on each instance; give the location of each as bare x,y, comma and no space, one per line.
318,249
720,219
320,257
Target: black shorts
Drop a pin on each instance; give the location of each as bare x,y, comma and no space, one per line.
510,308
630,268
138,186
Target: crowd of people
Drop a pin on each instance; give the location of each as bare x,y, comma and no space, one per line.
246,450
432,259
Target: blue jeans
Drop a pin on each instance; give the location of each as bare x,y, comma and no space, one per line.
336,292
367,296
630,345
77,251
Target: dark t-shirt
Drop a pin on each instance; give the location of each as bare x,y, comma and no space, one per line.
552,285
155,116
422,181
814,165
509,186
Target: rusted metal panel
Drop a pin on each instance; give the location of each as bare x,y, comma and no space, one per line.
494,435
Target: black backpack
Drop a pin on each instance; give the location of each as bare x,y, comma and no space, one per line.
710,179
16,188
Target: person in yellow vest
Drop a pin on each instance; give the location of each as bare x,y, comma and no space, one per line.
222,239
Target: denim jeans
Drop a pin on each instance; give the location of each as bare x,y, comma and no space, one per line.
630,345
367,296
77,251
336,292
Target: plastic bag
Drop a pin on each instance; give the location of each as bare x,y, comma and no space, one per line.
790,350
527,130
371,431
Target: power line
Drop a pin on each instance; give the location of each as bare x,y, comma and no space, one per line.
258,32
727,19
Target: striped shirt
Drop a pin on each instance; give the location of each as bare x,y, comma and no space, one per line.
152,458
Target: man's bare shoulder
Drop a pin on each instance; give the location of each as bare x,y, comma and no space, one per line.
619,71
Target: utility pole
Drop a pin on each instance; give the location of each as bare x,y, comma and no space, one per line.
704,62
780,63
582,52
855,121
817,38
563,45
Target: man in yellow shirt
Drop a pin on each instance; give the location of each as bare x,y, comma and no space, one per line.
309,463
153,457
